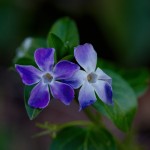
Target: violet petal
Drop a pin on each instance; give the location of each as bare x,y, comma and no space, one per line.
65,69
86,57
39,97
44,58
29,74
62,92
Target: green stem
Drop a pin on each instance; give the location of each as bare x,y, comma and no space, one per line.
74,123
53,128
93,117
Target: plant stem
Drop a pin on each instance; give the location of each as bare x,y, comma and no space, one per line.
54,128
94,118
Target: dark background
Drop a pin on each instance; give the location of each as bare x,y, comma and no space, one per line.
118,30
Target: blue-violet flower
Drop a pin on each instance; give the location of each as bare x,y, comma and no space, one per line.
48,78
91,80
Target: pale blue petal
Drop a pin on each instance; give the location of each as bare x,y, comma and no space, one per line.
86,95
86,56
77,79
104,91
103,76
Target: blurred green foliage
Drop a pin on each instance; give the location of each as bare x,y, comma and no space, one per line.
5,139
117,27
91,138
126,26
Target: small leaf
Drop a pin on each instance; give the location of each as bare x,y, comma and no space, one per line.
25,61
67,31
68,57
27,48
125,103
77,138
55,42
32,112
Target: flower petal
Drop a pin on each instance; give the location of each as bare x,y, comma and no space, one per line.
103,76
44,58
65,69
104,91
77,79
86,57
39,97
86,95
62,91
29,74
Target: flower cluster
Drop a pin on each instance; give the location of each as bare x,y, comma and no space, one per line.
61,79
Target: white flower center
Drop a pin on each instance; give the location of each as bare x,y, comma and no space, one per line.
47,78
92,77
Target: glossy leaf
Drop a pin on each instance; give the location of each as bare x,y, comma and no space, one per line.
76,138
32,112
125,103
67,31
27,48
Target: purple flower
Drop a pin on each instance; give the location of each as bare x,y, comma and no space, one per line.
91,80
48,78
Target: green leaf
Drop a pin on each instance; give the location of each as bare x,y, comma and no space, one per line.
67,31
77,138
25,61
32,112
125,103
68,57
137,77
27,48
55,42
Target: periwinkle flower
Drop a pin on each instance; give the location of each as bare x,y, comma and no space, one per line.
91,80
48,78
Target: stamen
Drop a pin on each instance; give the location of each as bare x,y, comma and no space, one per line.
92,77
47,78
